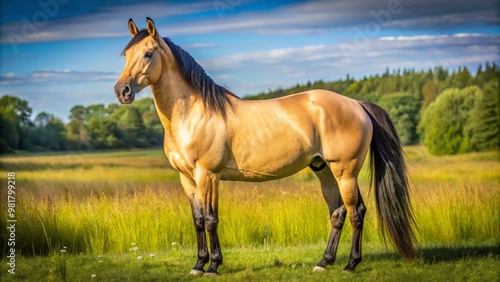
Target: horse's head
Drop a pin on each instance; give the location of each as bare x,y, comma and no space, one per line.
143,66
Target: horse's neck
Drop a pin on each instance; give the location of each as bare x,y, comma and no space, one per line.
175,103
173,99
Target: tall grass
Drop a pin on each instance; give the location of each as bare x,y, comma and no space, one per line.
103,208
459,212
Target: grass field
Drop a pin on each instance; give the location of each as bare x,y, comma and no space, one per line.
99,207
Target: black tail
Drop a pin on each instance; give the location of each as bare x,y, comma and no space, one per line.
388,176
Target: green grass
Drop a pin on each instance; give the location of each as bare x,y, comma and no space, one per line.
274,263
98,204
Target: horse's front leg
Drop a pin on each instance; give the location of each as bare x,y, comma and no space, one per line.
208,186
199,225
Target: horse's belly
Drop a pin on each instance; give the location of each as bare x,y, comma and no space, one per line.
233,174
264,170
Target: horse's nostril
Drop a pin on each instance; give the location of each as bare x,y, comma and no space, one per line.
126,90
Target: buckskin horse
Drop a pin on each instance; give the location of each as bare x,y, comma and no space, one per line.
212,135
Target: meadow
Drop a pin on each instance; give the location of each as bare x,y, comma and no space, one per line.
123,216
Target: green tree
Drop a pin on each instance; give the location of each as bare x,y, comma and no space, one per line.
76,128
485,118
9,135
49,132
17,112
104,133
111,108
403,108
19,107
153,129
129,121
95,111
462,78
145,105
42,119
429,93
440,73
444,126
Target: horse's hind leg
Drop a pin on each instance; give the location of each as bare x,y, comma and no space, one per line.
337,210
357,228
356,210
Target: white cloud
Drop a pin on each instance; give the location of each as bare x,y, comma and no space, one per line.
433,37
297,18
312,62
52,77
310,17
199,46
383,46
108,21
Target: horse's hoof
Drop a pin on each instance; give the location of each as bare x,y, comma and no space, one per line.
210,274
348,270
319,269
196,272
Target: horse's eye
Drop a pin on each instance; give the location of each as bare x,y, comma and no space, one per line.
148,55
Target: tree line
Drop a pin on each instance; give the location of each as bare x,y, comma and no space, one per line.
89,128
449,112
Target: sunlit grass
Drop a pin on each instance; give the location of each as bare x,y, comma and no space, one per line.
458,212
100,203
263,263
99,175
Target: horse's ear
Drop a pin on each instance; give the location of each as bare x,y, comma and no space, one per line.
132,27
150,26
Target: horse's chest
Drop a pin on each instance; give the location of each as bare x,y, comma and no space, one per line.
179,163
174,156
185,157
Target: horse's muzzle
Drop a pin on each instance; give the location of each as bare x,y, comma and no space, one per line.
124,93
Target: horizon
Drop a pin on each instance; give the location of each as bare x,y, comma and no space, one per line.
66,51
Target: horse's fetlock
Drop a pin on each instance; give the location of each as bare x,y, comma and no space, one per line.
216,258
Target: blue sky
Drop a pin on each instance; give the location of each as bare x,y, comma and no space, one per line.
60,53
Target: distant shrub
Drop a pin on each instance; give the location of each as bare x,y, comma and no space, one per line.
485,118
445,127
403,108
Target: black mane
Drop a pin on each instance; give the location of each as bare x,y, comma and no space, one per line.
214,96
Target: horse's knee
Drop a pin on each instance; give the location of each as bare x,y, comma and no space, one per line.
211,223
199,223
338,217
